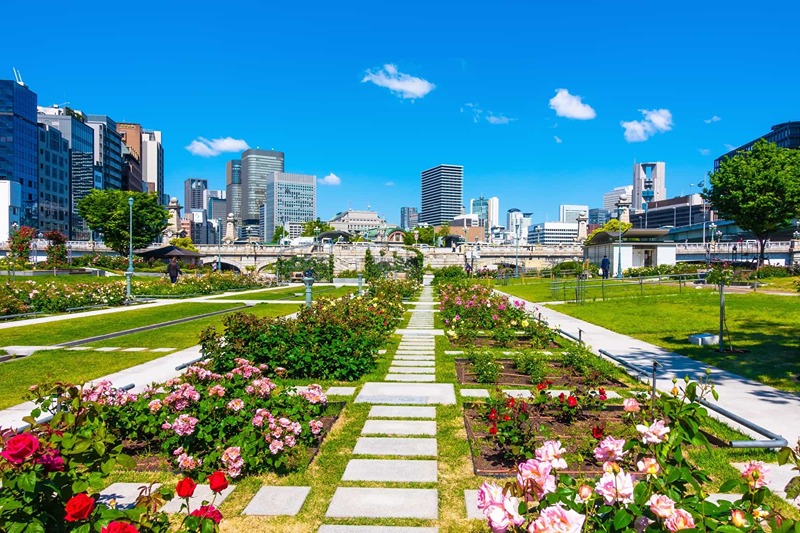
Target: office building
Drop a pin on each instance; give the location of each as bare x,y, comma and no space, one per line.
517,223
569,213
673,212
194,194
257,166
107,150
131,136
82,175
611,198
785,135
54,197
598,217
19,146
288,198
649,184
355,221
153,165
553,233
488,211
11,204
233,188
409,218
442,194
217,209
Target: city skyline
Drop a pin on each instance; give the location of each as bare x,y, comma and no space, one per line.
547,108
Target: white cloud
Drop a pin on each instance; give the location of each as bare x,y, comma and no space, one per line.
478,114
704,151
499,119
715,118
404,85
210,148
557,139
655,121
390,184
730,147
475,109
330,179
570,106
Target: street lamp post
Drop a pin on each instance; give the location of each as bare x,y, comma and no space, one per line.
621,205
516,252
219,245
129,272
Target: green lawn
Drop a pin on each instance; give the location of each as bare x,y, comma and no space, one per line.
531,289
564,289
767,326
781,284
292,294
184,335
72,329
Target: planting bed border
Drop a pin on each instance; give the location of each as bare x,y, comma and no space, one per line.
463,362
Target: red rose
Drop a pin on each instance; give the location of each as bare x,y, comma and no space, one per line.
602,391
79,507
561,397
493,430
541,386
185,488
209,511
20,447
572,401
597,432
217,481
119,527
511,402
506,418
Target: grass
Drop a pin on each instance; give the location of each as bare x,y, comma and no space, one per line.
767,326
531,289
293,294
71,329
564,289
781,284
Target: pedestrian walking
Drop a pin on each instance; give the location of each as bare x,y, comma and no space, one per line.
173,269
605,266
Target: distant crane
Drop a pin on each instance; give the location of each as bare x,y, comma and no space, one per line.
18,76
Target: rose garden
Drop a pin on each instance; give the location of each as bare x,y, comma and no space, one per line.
443,406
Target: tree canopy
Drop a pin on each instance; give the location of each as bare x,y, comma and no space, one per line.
184,242
280,232
758,189
426,235
610,226
106,212
311,225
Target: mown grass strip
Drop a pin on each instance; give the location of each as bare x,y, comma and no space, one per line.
293,294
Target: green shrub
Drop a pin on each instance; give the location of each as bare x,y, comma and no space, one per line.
449,274
533,364
485,368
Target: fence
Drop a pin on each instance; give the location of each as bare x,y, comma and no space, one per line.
579,289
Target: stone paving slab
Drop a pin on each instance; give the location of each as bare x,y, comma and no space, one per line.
454,352
376,529
124,494
399,427
414,358
396,446
340,391
471,502
391,470
275,501
421,378
716,498
353,502
382,351
412,370
134,349
163,349
28,350
79,348
107,349
403,362
407,393
394,411
475,393
420,332
201,493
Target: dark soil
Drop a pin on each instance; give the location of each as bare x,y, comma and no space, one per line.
488,342
558,374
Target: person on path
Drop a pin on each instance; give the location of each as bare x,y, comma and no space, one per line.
173,269
605,266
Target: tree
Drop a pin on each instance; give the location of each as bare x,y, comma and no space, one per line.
184,242
443,231
612,226
408,238
759,190
279,234
56,249
19,245
426,235
311,225
107,212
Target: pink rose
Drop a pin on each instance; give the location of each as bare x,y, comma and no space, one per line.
755,473
535,475
610,449
631,405
20,447
556,519
551,452
679,520
654,434
489,494
617,488
662,506
648,466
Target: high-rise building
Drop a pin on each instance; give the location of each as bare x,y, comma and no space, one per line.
517,223
488,211
611,198
131,156
107,150
257,165
288,198
442,194
19,146
409,217
649,184
54,196
598,217
233,188
785,135
153,165
553,233
569,213
194,194
217,209
82,176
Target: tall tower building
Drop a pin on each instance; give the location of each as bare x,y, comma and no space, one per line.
442,194
257,165
194,194
153,165
409,218
288,198
54,197
19,146
80,137
131,156
649,184
488,211
107,150
611,198
569,213
233,188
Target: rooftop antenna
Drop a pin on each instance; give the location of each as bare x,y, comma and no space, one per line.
18,76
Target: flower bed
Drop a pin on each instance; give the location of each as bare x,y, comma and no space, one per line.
333,339
191,285
52,297
511,372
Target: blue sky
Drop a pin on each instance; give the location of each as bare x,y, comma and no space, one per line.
374,92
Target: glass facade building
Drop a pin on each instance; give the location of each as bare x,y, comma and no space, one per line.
257,165
785,135
194,192
19,146
409,218
233,189
54,193
288,198
107,150
442,194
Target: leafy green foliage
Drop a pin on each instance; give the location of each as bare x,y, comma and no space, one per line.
612,226
313,228
107,212
184,242
56,249
485,368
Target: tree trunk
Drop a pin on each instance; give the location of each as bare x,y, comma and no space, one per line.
762,243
